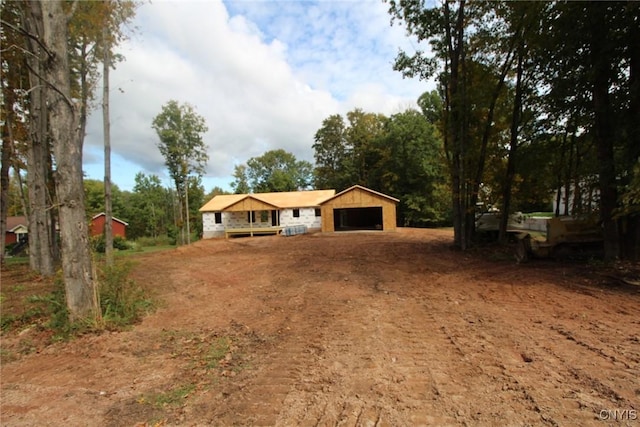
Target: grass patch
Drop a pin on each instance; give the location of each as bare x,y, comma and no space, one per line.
16,260
173,397
122,301
218,350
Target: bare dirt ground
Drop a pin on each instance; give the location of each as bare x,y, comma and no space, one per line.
370,329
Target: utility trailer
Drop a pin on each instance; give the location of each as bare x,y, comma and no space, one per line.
546,237
564,237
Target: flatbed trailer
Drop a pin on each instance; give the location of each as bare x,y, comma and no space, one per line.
564,237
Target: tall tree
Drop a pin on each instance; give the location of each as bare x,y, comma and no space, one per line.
240,184
330,150
47,27
588,57
149,212
412,168
361,134
447,29
180,130
278,170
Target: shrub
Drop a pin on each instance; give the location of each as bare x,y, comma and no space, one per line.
156,241
119,243
122,303
122,300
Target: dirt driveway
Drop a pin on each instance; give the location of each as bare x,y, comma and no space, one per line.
370,329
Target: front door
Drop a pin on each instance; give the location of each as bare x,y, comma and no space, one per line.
274,218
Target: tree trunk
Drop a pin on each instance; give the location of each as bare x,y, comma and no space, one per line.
456,130
7,144
513,148
39,222
631,249
80,286
186,203
603,129
108,226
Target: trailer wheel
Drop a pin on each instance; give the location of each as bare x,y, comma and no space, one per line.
523,249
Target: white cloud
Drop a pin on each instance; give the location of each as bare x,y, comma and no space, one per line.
263,75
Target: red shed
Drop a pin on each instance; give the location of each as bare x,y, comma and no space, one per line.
118,226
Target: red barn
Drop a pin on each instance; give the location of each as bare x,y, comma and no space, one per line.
118,226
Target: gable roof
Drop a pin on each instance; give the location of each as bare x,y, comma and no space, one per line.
221,201
368,190
112,218
15,222
279,200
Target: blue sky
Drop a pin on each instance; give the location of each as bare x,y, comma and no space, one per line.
264,75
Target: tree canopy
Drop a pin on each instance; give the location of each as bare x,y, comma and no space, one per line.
275,170
551,81
399,155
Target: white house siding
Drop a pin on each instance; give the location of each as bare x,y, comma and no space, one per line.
231,220
307,217
209,227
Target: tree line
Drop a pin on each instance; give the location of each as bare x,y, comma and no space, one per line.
544,89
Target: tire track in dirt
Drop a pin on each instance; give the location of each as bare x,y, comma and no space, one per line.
575,396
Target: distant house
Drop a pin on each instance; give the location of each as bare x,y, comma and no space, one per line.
17,229
118,226
357,208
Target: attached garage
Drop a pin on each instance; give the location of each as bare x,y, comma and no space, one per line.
359,208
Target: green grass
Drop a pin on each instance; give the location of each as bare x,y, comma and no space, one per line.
173,397
217,351
540,214
143,250
16,260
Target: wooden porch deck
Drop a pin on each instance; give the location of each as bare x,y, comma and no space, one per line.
252,231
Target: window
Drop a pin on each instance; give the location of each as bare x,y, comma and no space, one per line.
264,216
218,219
296,213
251,216
318,212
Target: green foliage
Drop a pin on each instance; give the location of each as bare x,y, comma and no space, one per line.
217,352
172,397
164,240
401,155
94,198
413,168
275,170
150,207
631,195
240,182
54,307
180,130
330,151
119,243
122,300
